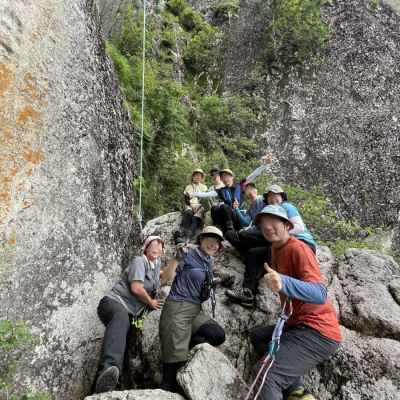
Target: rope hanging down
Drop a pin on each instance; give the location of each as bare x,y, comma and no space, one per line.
140,216
269,359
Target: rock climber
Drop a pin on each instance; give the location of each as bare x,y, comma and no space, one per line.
183,322
312,333
129,299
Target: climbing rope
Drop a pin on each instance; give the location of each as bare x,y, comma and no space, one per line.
140,216
273,348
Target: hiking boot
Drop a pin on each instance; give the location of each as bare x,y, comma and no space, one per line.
107,380
242,295
300,394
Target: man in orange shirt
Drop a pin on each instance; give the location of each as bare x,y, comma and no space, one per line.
312,333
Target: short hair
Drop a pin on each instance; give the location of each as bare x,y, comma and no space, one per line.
250,185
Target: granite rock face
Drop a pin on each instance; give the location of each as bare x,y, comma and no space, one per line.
67,163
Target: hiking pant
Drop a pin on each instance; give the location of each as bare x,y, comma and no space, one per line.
225,217
254,266
210,332
246,239
182,326
190,223
117,321
301,349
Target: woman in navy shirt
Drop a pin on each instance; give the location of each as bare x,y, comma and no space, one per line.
183,323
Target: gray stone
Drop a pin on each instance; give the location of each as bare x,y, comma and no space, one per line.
364,368
367,304
209,375
156,394
67,166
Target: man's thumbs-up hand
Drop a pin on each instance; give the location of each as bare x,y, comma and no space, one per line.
273,279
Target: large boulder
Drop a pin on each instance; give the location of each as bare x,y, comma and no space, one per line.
210,375
364,368
67,164
367,303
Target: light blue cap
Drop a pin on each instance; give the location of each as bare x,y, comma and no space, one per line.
275,210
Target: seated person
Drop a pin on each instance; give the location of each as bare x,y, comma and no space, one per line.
193,214
240,240
276,195
183,322
215,180
223,214
312,333
128,300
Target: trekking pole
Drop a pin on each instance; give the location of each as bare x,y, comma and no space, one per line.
269,358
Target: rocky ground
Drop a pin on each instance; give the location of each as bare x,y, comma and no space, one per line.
365,288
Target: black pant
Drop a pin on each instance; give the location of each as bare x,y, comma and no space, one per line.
117,321
225,217
190,224
255,259
246,239
301,349
210,332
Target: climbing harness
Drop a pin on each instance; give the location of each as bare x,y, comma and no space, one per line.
269,358
140,217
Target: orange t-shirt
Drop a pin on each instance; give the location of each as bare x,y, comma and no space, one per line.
295,259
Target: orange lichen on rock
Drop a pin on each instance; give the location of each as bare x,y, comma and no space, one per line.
30,88
33,156
12,241
6,135
6,78
28,113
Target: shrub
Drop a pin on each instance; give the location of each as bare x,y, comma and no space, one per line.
295,32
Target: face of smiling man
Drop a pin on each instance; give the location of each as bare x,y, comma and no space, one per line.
274,230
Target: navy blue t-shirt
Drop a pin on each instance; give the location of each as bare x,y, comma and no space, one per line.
190,276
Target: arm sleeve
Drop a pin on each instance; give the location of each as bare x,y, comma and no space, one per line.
238,193
298,225
244,217
257,172
136,270
309,292
203,195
